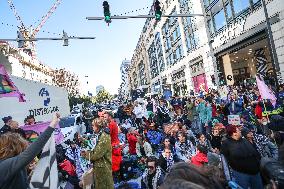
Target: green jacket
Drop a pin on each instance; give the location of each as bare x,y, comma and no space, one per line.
101,158
191,110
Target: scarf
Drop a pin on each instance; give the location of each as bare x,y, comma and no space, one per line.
186,149
75,155
170,161
155,178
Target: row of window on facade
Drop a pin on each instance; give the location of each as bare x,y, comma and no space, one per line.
222,13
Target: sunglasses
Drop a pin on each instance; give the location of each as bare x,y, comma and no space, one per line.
151,167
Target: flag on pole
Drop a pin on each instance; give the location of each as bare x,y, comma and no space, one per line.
7,87
45,175
265,92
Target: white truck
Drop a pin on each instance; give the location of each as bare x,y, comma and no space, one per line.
42,101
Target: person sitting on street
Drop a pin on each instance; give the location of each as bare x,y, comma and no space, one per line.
167,159
153,175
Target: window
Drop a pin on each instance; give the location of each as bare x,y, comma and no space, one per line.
229,11
240,5
219,19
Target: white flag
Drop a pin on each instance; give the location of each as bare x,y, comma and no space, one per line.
45,175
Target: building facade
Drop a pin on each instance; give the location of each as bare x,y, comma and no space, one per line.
20,63
124,88
227,46
177,55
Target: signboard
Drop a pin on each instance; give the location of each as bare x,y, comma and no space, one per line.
42,101
234,119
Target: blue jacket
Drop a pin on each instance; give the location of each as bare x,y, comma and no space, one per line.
235,107
154,137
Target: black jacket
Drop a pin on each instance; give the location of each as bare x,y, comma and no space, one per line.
5,129
13,174
241,155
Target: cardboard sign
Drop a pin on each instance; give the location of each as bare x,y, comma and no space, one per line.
234,119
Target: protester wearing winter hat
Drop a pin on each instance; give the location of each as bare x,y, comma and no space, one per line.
6,128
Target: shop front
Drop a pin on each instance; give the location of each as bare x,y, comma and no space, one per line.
179,83
198,75
239,64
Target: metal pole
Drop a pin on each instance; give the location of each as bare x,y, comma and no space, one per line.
43,39
145,16
275,62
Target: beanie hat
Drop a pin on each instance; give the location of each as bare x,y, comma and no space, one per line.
6,119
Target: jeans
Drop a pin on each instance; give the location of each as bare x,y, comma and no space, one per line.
247,181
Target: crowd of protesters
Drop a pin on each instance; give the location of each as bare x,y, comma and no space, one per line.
183,142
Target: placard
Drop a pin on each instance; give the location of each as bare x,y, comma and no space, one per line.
234,119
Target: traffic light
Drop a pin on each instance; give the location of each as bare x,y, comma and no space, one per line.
65,39
158,12
106,12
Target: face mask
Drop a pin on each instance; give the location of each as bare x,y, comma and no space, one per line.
264,123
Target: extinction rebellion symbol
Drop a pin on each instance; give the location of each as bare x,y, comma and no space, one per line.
44,93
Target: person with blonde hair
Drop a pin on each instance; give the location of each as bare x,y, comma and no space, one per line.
16,155
101,156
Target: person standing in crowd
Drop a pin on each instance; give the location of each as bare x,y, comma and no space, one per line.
243,158
16,155
6,128
138,112
202,113
162,113
235,106
153,175
115,144
101,156
192,114
87,118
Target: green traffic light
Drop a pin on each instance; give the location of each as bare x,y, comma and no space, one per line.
158,16
107,18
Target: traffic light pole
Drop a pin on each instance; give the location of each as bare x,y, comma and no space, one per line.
45,39
145,16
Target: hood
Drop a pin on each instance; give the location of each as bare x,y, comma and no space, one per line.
201,158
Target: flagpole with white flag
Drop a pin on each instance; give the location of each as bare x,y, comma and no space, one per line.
45,175
265,92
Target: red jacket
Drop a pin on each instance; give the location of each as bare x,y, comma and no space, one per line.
67,166
113,132
199,159
132,140
116,158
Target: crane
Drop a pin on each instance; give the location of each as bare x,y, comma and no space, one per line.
25,32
